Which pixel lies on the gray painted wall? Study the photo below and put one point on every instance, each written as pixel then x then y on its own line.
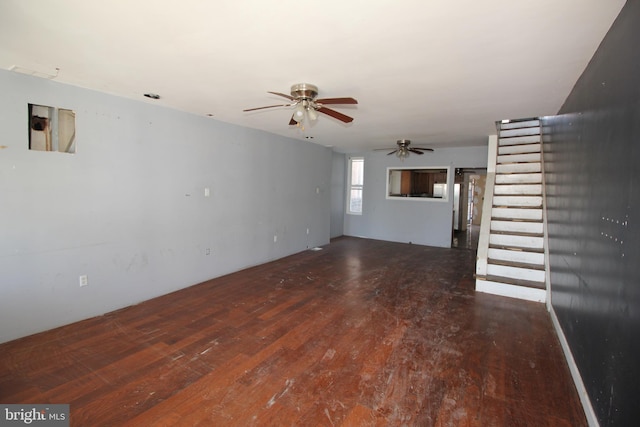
pixel 591 155
pixel 420 221
pixel 128 209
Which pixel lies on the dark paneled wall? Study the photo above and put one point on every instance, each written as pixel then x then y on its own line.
pixel 592 172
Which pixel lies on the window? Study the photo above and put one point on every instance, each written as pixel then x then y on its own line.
pixel 356 181
pixel 421 183
pixel 52 129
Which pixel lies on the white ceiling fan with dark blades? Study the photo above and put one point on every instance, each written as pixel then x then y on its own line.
pixel 404 149
pixel 307 106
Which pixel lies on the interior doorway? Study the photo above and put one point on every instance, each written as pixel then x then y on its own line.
pixel 468 200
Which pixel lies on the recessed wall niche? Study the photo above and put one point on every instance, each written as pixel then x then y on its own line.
pixel 52 129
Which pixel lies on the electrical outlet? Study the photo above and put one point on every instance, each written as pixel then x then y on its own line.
pixel 207 251
pixel 275 238
pixel 207 192
pixel 84 280
pixel 307 231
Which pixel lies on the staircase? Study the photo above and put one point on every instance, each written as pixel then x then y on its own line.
pixel 511 258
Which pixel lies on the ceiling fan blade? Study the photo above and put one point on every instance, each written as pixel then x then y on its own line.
pixel 268 106
pixel 337 101
pixel 289 97
pixel 413 150
pixel 423 149
pixel 384 149
pixel 391 152
pixel 292 122
pixel 335 114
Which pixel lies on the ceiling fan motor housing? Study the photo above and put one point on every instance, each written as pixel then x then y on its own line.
pixel 304 91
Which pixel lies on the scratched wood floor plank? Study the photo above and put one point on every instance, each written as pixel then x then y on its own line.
pixel 362 332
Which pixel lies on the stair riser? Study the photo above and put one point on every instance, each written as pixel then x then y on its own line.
pixel 515 189
pixel 516 273
pixel 529 139
pixel 516 241
pixel 517 125
pixel 519 149
pixel 517 227
pixel 518 168
pixel 519 158
pixel 506 290
pixel 516 256
pixel 529 214
pixel 519 178
pixel 507 133
pixel 516 201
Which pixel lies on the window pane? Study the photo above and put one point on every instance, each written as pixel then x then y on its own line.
pixel 355 200
pixel 357 169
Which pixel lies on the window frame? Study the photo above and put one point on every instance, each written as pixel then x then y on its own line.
pixel 352 186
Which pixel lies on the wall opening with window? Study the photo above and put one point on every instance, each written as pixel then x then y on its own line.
pixel 52 129
pixel 425 183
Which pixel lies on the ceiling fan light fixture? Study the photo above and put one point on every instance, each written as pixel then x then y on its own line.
pixel 312 113
pixel 299 112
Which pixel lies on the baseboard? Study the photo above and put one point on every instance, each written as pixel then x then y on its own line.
pixel 575 373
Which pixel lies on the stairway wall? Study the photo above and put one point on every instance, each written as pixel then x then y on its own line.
pixel 591 157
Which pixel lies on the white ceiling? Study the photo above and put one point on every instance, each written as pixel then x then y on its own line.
pixel 438 72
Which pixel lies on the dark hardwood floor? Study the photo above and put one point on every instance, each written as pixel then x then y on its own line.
pixel 360 333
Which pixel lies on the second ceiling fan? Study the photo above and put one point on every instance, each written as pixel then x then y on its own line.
pixel 404 149
pixel 307 106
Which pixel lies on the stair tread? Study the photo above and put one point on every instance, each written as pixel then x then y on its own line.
pixel 519 172
pixel 522 124
pixel 506 204
pixel 517 233
pixel 504 161
pixel 508 123
pixel 508 137
pixel 516 248
pixel 517 207
pixel 535 208
pixel 507 219
pixel 514 168
pixel 520 196
pixel 518 184
pixel 515 145
pixel 516 264
pixel 516 282
pixel 537 126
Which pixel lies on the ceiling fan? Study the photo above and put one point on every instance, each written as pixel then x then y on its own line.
pixel 404 149
pixel 307 107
